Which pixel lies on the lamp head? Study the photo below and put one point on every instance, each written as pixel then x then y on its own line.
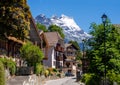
pixel 104 18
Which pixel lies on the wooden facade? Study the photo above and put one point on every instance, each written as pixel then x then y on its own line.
pixel 69 65
pixel 10 46
pixel 59 55
pixel 53 48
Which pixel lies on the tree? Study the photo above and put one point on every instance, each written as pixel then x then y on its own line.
pixel 14 19
pixel 55 28
pixel 9 64
pixel 31 53
pixel 96 50
pixel 41 27
pixel 75 43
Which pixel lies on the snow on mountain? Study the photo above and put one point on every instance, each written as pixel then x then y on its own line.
pixel 71 30
pixel 65 21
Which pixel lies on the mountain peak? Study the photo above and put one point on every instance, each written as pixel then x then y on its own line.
pixel 69 22
pixel 64 16
pixel 71 30
pixel 54 17
pixel 42 15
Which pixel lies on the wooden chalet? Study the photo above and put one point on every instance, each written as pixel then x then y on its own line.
pixel 10 45
pixel 69 62
pixel 53 48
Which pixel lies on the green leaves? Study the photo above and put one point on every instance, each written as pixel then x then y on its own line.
pixel 14 18
pixel 31 53
pixel 55 28
pixel 91 79
pixel 108 54
pixel 2 74
pixel 9 63
pixel 113 77
pixel 41 27
pixel 51 28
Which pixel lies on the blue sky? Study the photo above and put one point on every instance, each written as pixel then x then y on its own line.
pixel 84 12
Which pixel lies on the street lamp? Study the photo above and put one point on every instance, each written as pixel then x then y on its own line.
pixel 104 19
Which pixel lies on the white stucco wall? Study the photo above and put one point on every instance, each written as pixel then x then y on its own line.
pixel 74 67
pixel 51 58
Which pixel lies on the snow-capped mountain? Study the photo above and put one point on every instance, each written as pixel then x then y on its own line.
pixel 71 30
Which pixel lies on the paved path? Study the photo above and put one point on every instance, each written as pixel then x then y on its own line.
pixel 17 80
pixel 63 81
pixel 33 80
pixel 23 80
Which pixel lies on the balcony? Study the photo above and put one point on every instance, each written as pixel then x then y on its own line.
pixel 68 53
pixel 67 66
pixel 58 48
pixel 59 58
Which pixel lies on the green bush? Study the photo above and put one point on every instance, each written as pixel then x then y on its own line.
pixel 12 67
pixel 46 73
pixel 39 69
pixel 113 77
pixel 2 74
pixel 31 53
pixel 9 63
pixel 90 79
pixel 58 74
pixel 2 59
pixel 55 70
pixel 50 71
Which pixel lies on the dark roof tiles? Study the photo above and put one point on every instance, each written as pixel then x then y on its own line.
pixel 52 38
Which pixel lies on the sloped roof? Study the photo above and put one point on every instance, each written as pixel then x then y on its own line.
pixel 70 44
pixel 67 45
pixel 34 34
pixel 117 25
pixel 52 38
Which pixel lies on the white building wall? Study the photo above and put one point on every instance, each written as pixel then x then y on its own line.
pixel 51 58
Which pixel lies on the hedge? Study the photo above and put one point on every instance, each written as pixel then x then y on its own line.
pixel 2 74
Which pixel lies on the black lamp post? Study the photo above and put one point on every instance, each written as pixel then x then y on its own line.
pixel 104 19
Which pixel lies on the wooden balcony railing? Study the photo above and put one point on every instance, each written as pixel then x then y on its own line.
pixel 59 48
pixel 59 58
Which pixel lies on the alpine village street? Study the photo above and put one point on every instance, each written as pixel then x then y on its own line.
pixel 36 49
